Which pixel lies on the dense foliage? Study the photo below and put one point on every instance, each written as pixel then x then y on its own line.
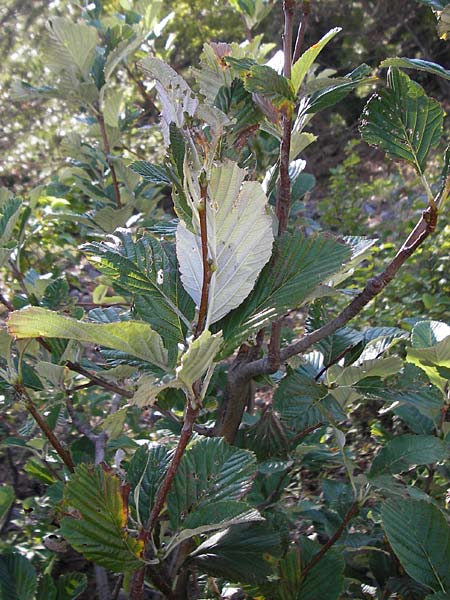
pixel 190 380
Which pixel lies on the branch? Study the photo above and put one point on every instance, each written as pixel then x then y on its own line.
pixel 306 9
pixel 283 202
pixel 53 440
pixel 425 226
pixel 206 264
pixel 191 413
pixel 354 509
pixel 107 150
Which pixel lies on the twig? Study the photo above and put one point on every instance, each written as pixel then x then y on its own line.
pixel 117 588
pixel 62 452
pixel 206 265
pixel 354 509
pixel 107 150
pixel 191 413
pixel 98 380
pixel 283 202
pixel 306 9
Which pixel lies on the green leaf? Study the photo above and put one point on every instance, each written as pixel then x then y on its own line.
pixel 112 107
pixel 243 553
pixel 71 585
pixel 299 401
pixel 17 577
pixel 438 596
pixel 212 75
pixel 263 80
pixel 145 474
pixel 420 537
pixel 403 121
pixel 198 358
pixel 9 216
pixel 6 500
pixel 151 173
pixel 46 589
pixel 298 265
pixel 434 356
pixel 428 333
pixel 133 337
pixel 70 45
pixel 326 579
pixel 418 64
pixel 147 270
pixel 210 471
pixel 98 528
pixel 233 208
pixel 406 451
pixel 301 67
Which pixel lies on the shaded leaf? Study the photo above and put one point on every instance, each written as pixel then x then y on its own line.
pixel 418 64
pixel 210 471
pixel 298 265
pixel 98 528
pixel 406 451
pixel 420 537
pixel 17 577
pixel 403 121
pixel 241 553
pixel 145 474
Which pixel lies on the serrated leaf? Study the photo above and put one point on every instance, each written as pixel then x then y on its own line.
pixel 121 52
pixel 132 337
pixel 420 537
pixel 433 357
pixel 70 46
pixel 209 471
pixel 407 451
pixel 147 270
pixel 99 532
pixel 214 516
pixel 326 579
pixel 145 474
pixel 233 207
pixel 298 401
pixel 151 173
pixel 298 265
pixel 175 95
pixel 263 80
pixel 403 121
pixel 428 333
pixel 9 216
pixel 243 553
pixel 7 496
pixel 71 585
pixel 17 577
pixel 301 67
pixel 418 64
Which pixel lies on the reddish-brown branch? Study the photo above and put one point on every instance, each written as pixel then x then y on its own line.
pixel 206 265
pixel 354 509
pixel 107 150
pixel 283 202
pixel 191 413
pixel 53 440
